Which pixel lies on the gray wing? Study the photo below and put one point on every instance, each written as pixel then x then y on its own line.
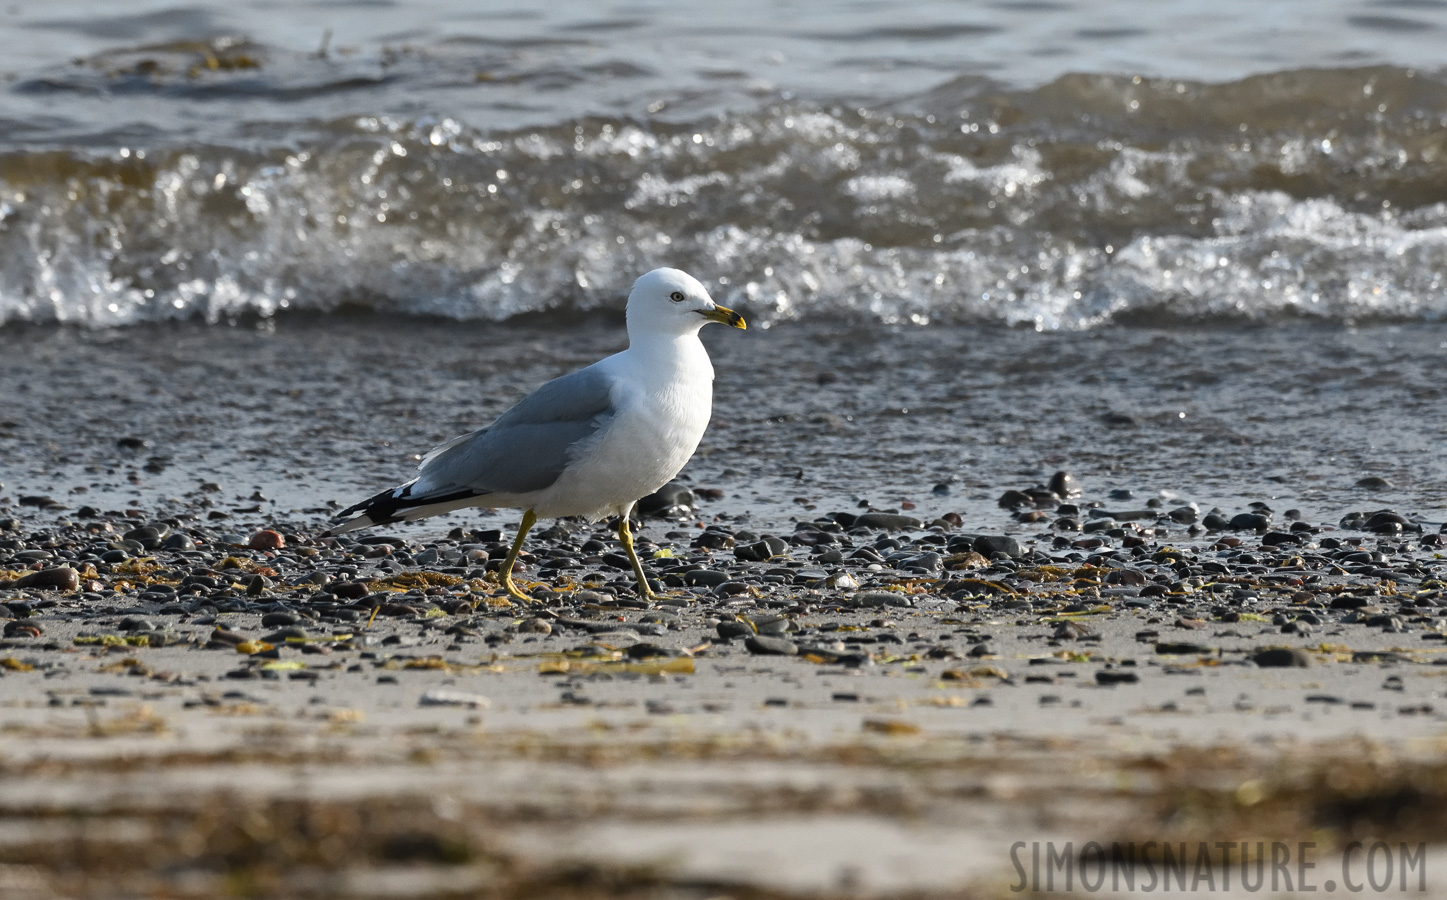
pixel 528 446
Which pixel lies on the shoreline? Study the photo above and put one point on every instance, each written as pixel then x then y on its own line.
pixel 917 686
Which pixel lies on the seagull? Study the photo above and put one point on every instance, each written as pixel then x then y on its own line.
pixel 590 443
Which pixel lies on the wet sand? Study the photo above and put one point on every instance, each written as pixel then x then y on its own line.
pixel 208 718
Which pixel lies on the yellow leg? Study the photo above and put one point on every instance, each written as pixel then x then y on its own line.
pixel 626 536
pixel 505 573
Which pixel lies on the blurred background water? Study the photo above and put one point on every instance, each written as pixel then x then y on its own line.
pixel 1045 163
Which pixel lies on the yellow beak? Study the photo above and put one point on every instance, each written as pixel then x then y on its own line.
pixel 724 315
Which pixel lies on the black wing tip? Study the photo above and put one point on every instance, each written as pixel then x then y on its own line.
pixel 380 509
pixel 388 507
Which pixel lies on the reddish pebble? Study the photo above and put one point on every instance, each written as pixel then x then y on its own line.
pixel 61 578
pixel 266 540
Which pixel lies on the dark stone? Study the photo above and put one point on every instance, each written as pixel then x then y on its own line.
pixel 1386 522
pixel 1281 658
pixel 1275 538
pixel 21 629
pixel 761 550
pixel 887 522
pixel 178 541
pixel 282 635
pixel 1063 486
pixel 730 630
pixel 348 590
pixel 670 501
pixel 705 578
pixel 988 545
pixel 1249 522
pixel 1181 648
pixel 1348 601
pixel 650 651
pixel 928 564
pixel 1013 499
pixel 1114 676
pixel 714 540
pixel 613 560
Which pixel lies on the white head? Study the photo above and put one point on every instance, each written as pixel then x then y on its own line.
pixel 671 302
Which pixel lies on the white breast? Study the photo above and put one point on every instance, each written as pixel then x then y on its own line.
pixel 663 403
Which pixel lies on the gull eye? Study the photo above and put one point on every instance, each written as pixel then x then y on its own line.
pixel 676 296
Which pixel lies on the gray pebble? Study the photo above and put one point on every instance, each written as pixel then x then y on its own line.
pixel 450 697
pixel 987 545
pixel 705 578
pixel 764 645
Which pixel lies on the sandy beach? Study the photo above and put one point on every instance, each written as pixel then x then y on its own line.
pixel 1070 520
pixel 888 652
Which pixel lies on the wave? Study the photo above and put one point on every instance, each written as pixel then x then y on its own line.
pixel 1091 200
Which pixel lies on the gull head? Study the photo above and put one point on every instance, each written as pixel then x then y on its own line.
pixel 670 302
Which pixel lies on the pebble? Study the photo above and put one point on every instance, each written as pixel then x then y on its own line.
pixel 1185 515
pixel 644 650
pixel 705 578
pixel 178 541
pixel 819 591
pixel 671 501
pixel 1182 648
pixel 451 697
pixel 616 636
pixel 1281 658
pixel 887 521
pixel 1386 522
pixel 282 635
pixel 765 645
pixel 988 545
pixel 1069 631
pixel 60 578
pixel 1249 522
pixel 1064 486
pixel 877 599
pixel 761 550
pixel 773 624
pixel 730 630
pixel 1115 676
pixel 1214 521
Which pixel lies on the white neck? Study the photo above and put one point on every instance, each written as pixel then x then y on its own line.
pixel 671 352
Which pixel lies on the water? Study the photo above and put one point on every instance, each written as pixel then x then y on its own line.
pixel 1042 164
pixel 273 423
